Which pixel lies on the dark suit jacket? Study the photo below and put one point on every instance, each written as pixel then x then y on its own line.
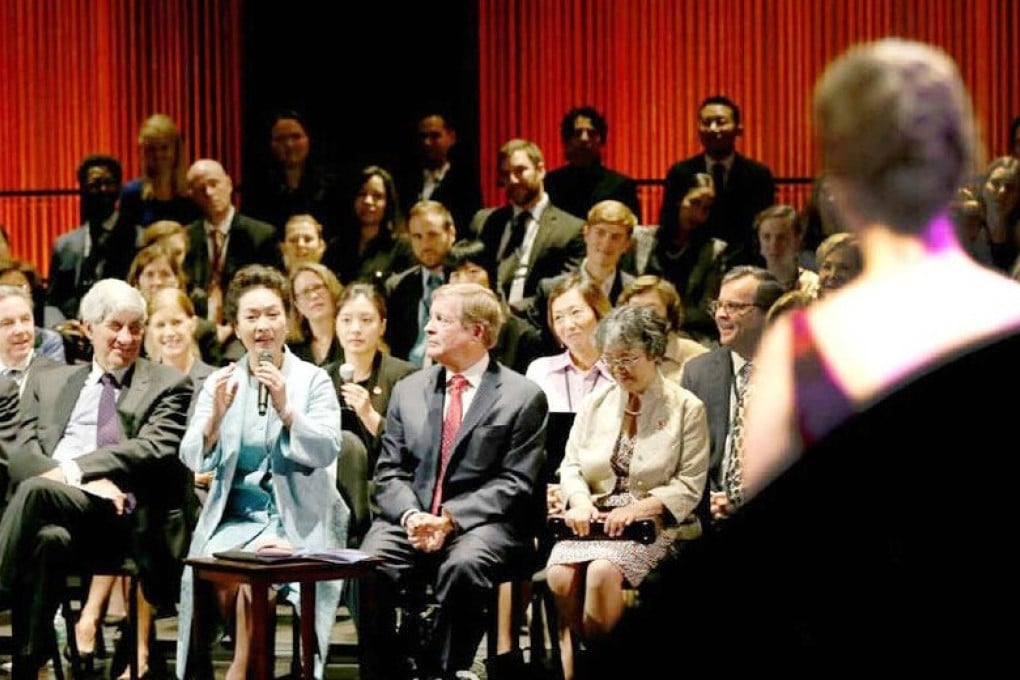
pixel 460 191
pixel 251 242
pixel 68 283
pixel 576 190
pixel 710 377
pixel 153 407
pixel 386 371
pixel 497 454
pixel 403 293
pixel 749 189
pixel 558 246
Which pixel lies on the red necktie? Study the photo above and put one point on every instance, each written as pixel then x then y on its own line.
pixel 451 423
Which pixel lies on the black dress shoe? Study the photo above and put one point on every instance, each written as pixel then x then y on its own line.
pixel 82 663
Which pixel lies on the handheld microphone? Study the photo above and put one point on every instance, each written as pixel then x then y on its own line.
pixel 264 356
pixel 346 376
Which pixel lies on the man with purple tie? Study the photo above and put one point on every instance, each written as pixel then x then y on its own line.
pixel 92 443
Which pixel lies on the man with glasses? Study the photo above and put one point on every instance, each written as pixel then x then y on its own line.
pixel 719 377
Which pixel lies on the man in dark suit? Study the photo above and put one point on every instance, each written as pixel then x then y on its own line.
pixel 409 293
pixel 455 484
pixel 744 298
pixel 220 244
pixel 100 247
pixel 440 175
pixel 607 237
pixel 530 238
pixel 224 240
pixel 18 356
pixel 743 187
pixel 92 452
pixel 584 181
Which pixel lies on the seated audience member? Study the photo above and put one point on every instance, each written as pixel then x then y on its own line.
pixel 82 466
pixel 369 244
pixel 529 238
pixel 607 237
pixel 221 242
pixel 172 326
pixel 275 478
pixel 439 175
pixel 691 259
pixel 661 297
pixel 821 219
pixel 968 214
pixel 101 247
pixel 780 234
pixel 576 305
pixel 455 486
pixel 48 343
pixel 315 292
pixel 584 181
pixel 161 193
pixel 638 450
pixel 18 356
pixel 364 398
pixel 839 261
pixel 1000 198
pixel 519 343
pixel 155 268
pixel 720 377
pixel 787 302
pixel 169 234
pixel 302 241
pixel 432 233
pixel 743 187
pixel 292 181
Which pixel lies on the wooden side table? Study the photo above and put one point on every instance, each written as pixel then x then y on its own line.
pixel 260 576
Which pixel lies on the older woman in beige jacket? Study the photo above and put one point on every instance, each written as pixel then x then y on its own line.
pixel 638 450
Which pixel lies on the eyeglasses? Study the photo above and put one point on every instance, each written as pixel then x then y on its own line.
pixel 729 307
pixel 311 291
pixel 620 362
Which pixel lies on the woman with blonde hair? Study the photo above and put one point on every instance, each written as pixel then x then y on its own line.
pixel 160 193
pixel 315 291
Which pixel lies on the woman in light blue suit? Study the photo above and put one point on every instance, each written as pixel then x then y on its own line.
pixel 274 461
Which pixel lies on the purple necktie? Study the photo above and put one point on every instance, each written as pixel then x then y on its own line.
pixel 107 425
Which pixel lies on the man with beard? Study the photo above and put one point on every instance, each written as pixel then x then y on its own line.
pixel 584 181
pixel 432 232
pixel 530 238
pixel 99 248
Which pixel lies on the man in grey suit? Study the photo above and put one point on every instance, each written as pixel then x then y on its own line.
pixel 455 484
pixel 530 238
pixel 92 443
pixel 744 298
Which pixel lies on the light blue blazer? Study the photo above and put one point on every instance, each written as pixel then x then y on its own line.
pixel 304 460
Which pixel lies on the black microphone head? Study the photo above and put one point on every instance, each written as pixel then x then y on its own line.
pixel 266 355
pixel 346 372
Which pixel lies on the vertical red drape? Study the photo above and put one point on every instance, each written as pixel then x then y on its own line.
pixel 79 76
pixel 647 63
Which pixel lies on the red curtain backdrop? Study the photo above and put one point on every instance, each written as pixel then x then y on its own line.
pixel 647 63
pixel 79 77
